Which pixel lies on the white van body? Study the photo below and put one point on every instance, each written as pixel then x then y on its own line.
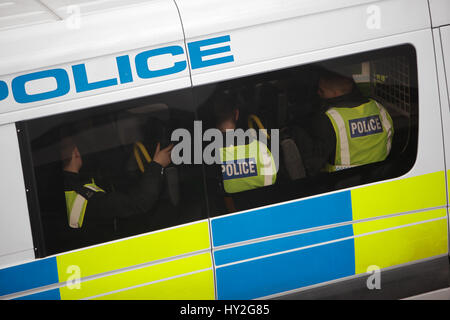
pixel 265 35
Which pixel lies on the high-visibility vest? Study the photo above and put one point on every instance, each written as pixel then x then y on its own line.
pixel 363 135
pixel 76 205
pixel 246 167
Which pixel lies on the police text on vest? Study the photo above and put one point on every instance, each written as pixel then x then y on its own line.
pixel 365 126
pixel 241 168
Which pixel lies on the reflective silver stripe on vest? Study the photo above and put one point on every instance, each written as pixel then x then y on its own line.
pixel 345 151
pixel 96 189
pixel 386 125
pixel 337 168
pixel 266 168
pixel 76 211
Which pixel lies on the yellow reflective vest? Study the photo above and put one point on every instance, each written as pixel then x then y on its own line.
pixel 76 205
pixel 363 135
pixel 246 167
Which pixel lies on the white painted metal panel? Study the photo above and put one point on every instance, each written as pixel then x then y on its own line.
pixel 97 69
pixel 442 48
pixel 430 153
pixel 265 30
pixel 15 232
pixel 19 13
pixel 65 8
pixel 96 41
pixel 149 24
pixel 440 12
pixel 212 16
pixel 445 38
pixel 16 258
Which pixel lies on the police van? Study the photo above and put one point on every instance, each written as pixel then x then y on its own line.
pixel 119 77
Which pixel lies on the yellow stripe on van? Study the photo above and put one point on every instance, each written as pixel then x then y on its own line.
pixel 448 184
pixel 421 192
pixel 197 286
pixel 133 251
pixel 386 223
pixel 151 273
pixel 402 245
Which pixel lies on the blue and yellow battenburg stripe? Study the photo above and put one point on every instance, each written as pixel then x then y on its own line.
pixel 257 253
pixel 29 276
pixel 280 248
pixel 172 264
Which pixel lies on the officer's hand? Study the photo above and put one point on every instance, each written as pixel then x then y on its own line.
pixel 163 156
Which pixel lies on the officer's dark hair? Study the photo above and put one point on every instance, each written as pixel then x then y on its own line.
pixel 336 81
pixel 224 106
pixel 67 145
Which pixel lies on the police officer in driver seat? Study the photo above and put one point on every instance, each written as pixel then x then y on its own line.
pixel 349 130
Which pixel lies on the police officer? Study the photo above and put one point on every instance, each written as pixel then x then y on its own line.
pixel 88 203
pixel 245 165
pixel 348 131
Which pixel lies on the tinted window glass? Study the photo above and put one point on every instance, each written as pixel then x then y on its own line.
pixel 105 173
pixel 341 123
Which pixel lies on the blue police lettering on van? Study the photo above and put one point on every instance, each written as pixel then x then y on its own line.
pixel 241 168
pixel 142 63
pixel 3 90
pixel 196 54
pixel 124 68
pixel 365 126
pixel 62 85
pixel 82 83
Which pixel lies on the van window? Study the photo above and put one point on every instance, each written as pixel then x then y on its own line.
pixel 336 123
pixel 103 173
